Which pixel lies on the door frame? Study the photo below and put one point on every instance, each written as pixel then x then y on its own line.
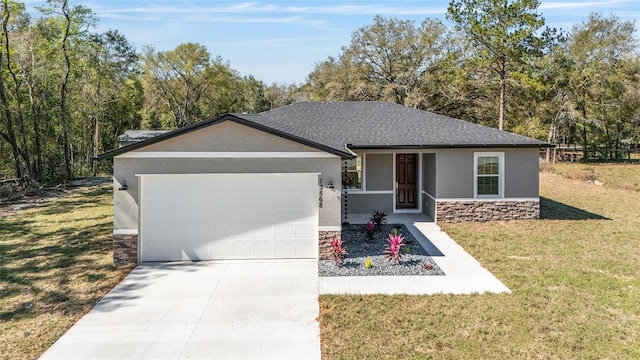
pixel 418 208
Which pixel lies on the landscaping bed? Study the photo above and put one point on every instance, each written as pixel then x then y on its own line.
pixel 359 248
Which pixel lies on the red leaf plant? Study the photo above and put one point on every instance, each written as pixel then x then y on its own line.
pixel 393 251
pixel 369 230
pixel 339 251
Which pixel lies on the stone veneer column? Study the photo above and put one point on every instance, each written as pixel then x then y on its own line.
pixel 324 243
pixel 125 249
pixel 487 210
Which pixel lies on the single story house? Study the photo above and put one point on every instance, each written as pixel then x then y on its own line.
pixel 279 183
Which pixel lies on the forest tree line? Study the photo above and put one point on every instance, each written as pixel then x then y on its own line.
pixel 68 91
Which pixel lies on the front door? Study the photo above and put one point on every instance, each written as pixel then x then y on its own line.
pixel 406 181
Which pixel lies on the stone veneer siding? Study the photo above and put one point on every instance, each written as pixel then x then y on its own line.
pixel 125 249
pixel 459 211
pixel 325 251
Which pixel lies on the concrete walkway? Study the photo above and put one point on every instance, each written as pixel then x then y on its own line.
pixel 205 310
pixel 464 274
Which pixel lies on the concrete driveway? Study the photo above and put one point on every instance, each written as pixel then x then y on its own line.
pixel 204 310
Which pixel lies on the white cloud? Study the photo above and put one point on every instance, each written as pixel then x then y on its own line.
pixel 589 5
pixel 255 7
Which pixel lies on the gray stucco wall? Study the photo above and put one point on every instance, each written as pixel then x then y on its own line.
pixel 522 178
pixel 429 184
pixel 454 171
pixel 429 173
pixel 366 203
pixel 379 172
pixel 227 136
pixel 231 138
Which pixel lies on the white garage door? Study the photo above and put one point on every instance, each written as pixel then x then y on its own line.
pixel 228 216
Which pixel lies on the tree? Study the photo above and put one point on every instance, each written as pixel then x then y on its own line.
pixel 64 93
pixel 8 12
pixel 177 79
pixel 385 61
pixel 341 79
pixel 397 55
pixel 602 75
pixel 110 62
pixel 503 35
pixel 75 20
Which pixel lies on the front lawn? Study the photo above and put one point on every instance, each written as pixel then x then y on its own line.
pixel 575 278
pixel 55 264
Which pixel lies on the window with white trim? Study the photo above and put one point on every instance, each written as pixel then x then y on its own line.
pixel 488 175
pixel 352 173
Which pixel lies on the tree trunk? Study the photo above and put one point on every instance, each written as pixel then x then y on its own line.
pixel 10 135
pixel 16 91
pixel 96 144
pixel 35 120
pixel 63 94
pixel 585 153
pixel 503 90
pixel 552 132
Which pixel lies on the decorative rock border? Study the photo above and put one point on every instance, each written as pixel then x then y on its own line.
pixel 360 248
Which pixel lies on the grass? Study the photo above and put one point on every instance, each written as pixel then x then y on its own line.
pixel 575 278
pixel 55 264
pixel 621 176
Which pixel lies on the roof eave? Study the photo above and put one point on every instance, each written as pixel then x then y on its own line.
pixel 449 146
pixel 183 130
pixel 231 117
pixel 343 154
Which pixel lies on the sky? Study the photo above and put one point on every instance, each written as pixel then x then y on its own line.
pixel 279 41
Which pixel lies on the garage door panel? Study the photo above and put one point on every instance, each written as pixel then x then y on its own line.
pixel 197 217
pixel 157 233
pixel 220 248
pixel 156 185
pixel 262 249
pixel 177 233
pixel 265 232
pixel 285 248
pixel 198 185
pixel 221 232
pixel 241 249
pixel 175 252
pixel 237 216
pixel 156 202
pixel 303 231
pixel 199 201
pixel 285 231
pixel 198 233
pixel 153 217
pixel 157 252
pixel 196 250
pixel 176 201
pixel 220 217
pixel 177 217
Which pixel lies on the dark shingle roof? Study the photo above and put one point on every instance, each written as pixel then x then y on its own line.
pixel 133 136
pixel 334 126
pixel 377 124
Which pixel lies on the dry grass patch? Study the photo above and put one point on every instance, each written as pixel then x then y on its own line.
pixel 620 176
pixel 55 264
pixel 575 277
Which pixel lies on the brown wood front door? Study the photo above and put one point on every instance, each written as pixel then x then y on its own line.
pixel 406 181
